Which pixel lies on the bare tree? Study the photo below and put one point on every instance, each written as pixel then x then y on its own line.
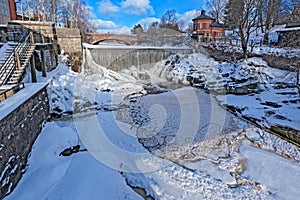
pixel 241 16
pixel 272 13
pixel 288 6
pixel 137 29
pixel 217 8
pixel 261 7
pixel 169 20
pixel 71 13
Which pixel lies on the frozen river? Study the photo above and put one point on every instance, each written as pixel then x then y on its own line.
pixel 172 143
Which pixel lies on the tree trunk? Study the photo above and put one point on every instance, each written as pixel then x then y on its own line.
pixel 244 47
pixel 266 38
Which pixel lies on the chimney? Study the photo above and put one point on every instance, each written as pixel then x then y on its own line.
pixel 12 9
pixel 202 12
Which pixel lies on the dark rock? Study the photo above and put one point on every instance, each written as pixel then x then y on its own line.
pixel 271 104
pixel 70 151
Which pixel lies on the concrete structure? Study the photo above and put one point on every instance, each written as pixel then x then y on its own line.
pixel 118 58
pixel 44 32
pixel 21 119
pixel 289 36
pixel 95 38
pixel 206 28
pixel 44 38
pixel 49 38
pixel 69 40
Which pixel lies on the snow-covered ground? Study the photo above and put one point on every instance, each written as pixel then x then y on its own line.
pixel 175 144
pixel 255 44
pixel 253 89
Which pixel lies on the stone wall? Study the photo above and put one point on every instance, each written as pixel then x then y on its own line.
pixel 70 41
pixel 19 127
pixel 43 32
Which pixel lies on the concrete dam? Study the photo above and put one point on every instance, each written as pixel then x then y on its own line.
pixel 117 58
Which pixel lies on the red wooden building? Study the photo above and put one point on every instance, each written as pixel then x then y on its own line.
pixel 206 28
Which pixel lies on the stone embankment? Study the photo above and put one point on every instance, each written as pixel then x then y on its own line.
pixel 69 40
pixel 21 119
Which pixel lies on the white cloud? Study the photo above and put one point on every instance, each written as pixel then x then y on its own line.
pixel 148 21
pixel 103 26
pixel 137 7
pixel 89 12
pixel 106 7
pixel 119 30
pixel 186 18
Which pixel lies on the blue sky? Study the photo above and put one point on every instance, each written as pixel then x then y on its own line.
pixel 119 16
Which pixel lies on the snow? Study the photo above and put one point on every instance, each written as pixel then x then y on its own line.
pixel 13 102
pixel 3 49
pixel 289 29
pixel 286 176
pixel 259 49
pixel 30 22
pixel 80 176
pixel 175 144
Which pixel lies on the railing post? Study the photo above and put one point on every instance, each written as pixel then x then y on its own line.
pixel 297 79
pixel 44 73
pixel 32 69
pixel 31 37
pixel 17 60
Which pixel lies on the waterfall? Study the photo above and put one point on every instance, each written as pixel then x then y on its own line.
pixel 90 67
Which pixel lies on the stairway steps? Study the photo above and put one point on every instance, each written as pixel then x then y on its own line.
pixel 8 66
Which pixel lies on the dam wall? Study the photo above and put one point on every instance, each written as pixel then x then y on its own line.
pixel 117 58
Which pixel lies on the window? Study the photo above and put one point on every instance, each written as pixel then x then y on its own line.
pixel 201 26
pixel 220 34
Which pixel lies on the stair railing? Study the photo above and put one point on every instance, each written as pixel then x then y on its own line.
pixel 6 72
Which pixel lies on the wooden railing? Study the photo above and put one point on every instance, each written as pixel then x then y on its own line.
pixel 4 95
pixel 13 60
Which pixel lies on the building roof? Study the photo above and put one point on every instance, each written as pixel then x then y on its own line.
pixel 289 29
pixel 217 24
pixel 203 16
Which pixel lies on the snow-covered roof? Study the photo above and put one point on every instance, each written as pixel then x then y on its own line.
pixel 217 24
pixel 29 22
pixel 289 29
pixel 203 16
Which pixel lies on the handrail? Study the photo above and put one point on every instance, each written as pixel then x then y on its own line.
pixel 14 89
pixel 20 41
pixel 8 71
pixel 25 35
pixel 3 71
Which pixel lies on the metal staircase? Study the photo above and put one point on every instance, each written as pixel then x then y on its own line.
pixel 14 61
